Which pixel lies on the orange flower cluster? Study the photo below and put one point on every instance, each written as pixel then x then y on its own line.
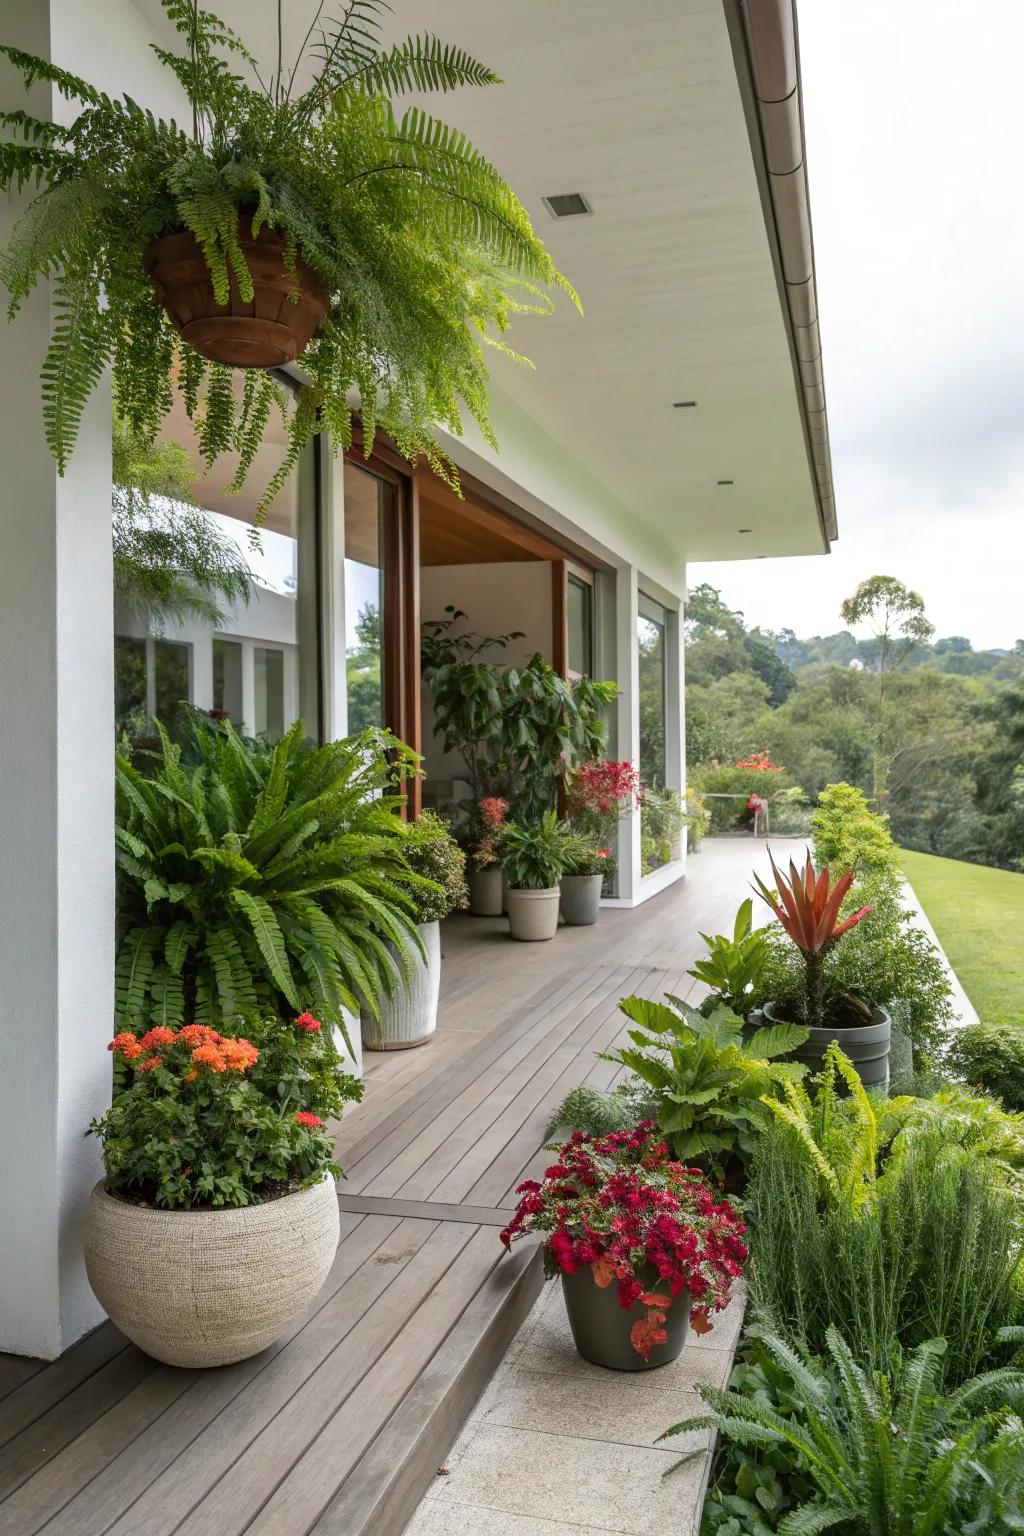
pixel 218 1053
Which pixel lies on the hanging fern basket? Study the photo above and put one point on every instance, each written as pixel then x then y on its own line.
pixel 273 327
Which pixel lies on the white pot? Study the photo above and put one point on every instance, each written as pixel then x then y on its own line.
pixel 533 915
pixel 202 1288
pixel 409 1016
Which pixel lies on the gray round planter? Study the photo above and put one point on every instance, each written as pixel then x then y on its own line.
pixel 600 1327
pixel 485 891
pixel 533 915
pixel 581 899
pixel 409 1016
pixel 867 1045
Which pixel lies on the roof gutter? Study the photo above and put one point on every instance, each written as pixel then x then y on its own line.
pixel 767 55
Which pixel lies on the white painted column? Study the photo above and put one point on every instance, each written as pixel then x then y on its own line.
pixel 675 728
pixel 628 674
pixel 56 815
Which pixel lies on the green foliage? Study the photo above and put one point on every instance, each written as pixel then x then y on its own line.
pixel 849 835
pixel 424 250
pixel 194 1125
pixel 733 965
pixel 170 559
pixel 990 1056
pixel 261 880
pixel 519 730
pixel 739 783
pixel 875 1453
pixel 598 1114
pixel 662 819
pixel 536 856
pixel 893 1222
pixel 709 1087
pixel 433 853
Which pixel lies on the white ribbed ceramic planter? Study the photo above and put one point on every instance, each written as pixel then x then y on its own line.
pixel 202 1288
pixel 409 1016
pixel 485 891
pixel 533 915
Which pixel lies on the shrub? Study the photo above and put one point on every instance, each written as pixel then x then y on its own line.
pixel 204 1119
pixel 871 1453
pixel 433 853
pixel 618 1203
pixel 990 1056
pixel 756 775
pixel 597 1113
pixel 261 880
pixel 662 818
pixel 849 835
pixel 709 1088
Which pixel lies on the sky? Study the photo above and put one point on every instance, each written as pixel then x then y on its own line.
pixel 914 119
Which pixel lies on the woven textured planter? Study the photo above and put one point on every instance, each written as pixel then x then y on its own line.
pixel 600 1327
pixel 533 915
pixel 268 331
pixel 867 1045
pixel 485 891
pixel 202 1288
pixel 581 899
pixel 409 1017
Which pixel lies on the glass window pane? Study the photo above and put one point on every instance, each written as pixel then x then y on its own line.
pixel 266 601
pixel 369 504
pixel 170 679
pixel 651 642
pixel 268 668
pixel 129 685
pixel 580 623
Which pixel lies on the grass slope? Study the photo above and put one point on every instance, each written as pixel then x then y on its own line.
pixel 978 914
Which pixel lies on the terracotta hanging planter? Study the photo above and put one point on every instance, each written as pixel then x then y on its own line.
pixel 267 331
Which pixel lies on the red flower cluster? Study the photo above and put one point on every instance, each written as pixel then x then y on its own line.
pixel 204 1046
pixel 307 1121
pixel 756 803
pixel 493 810
pixel 760 762
pixel 307 1023
pixel 604 787
pixel 620 1203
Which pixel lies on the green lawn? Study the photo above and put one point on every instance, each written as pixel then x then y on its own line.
pixel 978 914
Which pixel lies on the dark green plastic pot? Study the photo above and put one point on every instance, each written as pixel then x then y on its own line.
pixel 867 1045
pixel 600 1327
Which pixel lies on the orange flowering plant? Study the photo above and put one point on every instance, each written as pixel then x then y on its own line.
pixel 201 1118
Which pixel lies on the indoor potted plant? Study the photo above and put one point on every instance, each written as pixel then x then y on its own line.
pixel 534 858
pixel 483 866
pixel 641 1243
pixel 290 215
pixel 218 1218
pixel 586 871
pixel 808 907
pixel 409 1015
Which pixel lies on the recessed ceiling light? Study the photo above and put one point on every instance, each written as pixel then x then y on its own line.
pixel 726 482
pixel 566 205
pixel 681 405
pixel 745 530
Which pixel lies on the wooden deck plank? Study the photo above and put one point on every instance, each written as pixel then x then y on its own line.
pixel 265 1458
pixel 44 1388
pixel 15 1370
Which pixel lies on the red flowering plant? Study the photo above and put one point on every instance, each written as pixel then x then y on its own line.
pixel 204 1119
pixel 483 835
pixel 623 1206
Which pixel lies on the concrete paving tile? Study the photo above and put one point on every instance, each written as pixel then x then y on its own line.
pixel 620 1488
pixel 470 1520
pixel 615 1408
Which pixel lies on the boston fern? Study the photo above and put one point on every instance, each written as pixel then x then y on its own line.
pixel 260 881
pixel 424 251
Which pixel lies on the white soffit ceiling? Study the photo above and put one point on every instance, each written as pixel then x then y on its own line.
pixel 636 105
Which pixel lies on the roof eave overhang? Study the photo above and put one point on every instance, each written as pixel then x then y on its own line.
pixel 766 49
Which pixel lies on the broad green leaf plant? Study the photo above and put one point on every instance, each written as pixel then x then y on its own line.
pixel 425 252
pixel 733 965
pixel 261 881
pixel 709 1086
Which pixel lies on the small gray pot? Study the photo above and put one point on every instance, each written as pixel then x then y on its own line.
pixel 867 1045
pixel 409 1016
pixel 581 899
pixel 600 1327
pixel 485 891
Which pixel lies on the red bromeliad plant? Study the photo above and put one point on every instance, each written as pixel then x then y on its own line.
pixel 619 1203
pixel 807 908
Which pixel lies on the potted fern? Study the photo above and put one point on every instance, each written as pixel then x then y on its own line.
pixel 281 221
pixel 409 1015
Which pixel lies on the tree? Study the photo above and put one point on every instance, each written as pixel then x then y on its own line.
pixel 171 562
pixel 898 622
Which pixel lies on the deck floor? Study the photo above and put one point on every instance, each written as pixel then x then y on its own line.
pixel 335 1429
